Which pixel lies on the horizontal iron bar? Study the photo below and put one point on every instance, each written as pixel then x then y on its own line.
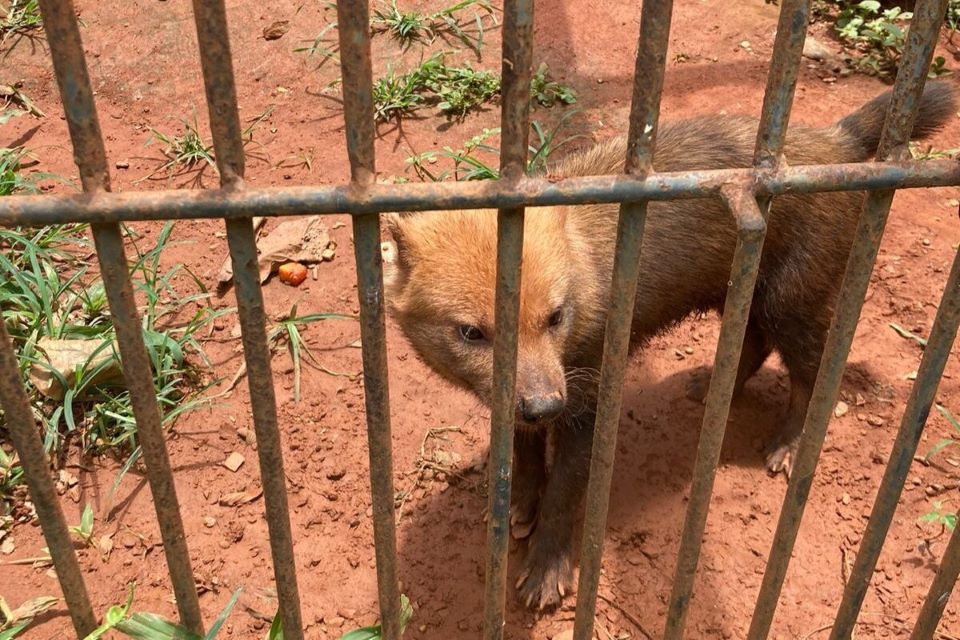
pixel 181 204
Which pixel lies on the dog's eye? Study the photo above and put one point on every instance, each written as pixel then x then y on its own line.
pixel 556 318
pixel 470 333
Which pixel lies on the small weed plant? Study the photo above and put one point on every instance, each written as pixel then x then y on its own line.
pixel 48 296
pixel 408 27
pixel 947 519
pixel 877 35
pixel 21 17
pixel 477 158
pixel 455 91
pixel 13 179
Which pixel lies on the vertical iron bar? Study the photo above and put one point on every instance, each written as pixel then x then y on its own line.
pixel 36 471
pixel 66 49
pixel 517 68
pixel 940 590
pixel 924 390
pixel 736 312
pixel 777 103
pixel 908 89
pixel 644 117
pixel 213 38
pixel 354 30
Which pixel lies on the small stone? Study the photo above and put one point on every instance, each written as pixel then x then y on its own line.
pixel 336 622
pixel 688 351
pixel 7 546
pixel 845 499
pixel 875 421
pixel 123 164
pixel 926 242
pixel 209 522
pixel 234 461
pixel 841 409
pixel 336 474
pixel 931 491
pixel 347 614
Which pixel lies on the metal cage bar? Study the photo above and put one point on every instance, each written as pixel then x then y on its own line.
pixel 751 231
pixel 36 469
pixel 517 68
pixel 750 215
pixel 641 143
pixel 354 27
pixel 527 192
pixel 746 192
pixel 66 49
pixel 940 590
pixel 918 407
pixel 908 88
pixel 213 38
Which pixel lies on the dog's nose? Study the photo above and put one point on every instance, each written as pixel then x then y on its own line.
pixel 537 408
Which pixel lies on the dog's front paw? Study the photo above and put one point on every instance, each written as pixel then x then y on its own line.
pixel 546 578
pixel 782 455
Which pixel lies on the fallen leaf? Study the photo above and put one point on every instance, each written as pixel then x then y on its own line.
pixel 65 360
pixel 276 30
pixel 32 608
pixel 105 544
pixel 234 461
pixel 238 498
pixel 303 241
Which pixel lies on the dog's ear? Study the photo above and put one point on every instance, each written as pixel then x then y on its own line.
pixel 397 250
pixel 396 253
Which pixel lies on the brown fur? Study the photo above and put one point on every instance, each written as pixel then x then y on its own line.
pixel 444 278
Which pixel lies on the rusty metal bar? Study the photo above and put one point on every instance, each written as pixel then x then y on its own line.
pixel 777 103
pixel 517 68
pixel 751 228
pixel 354 30
pixel 66 49
pixel 934 360
pixel 781 83
pixel 528 192
pixel 36 471
pixel 940 590
pixel 213 37
pixel 644 117
pixel 908 88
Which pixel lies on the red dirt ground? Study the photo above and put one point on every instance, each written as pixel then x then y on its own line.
pixel 142 57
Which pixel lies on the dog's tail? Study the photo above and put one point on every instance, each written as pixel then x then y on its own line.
pixel 937 104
